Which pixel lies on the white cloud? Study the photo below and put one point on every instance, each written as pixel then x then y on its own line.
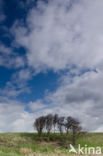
pixel 83 99
pixel 60 34
pixel 9 59
pixel 13 117
pixel 37 105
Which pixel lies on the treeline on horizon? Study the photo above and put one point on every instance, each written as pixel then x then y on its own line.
pixel 54 123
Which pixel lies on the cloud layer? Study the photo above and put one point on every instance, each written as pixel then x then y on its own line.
pixel 61 35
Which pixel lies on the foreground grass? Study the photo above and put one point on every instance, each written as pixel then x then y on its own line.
pixel 28 144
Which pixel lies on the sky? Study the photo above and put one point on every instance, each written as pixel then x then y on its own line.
pixel 51 61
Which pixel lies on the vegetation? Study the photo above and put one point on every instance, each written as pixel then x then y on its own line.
pixel 55 134
pixel 60 124
pixel 28 144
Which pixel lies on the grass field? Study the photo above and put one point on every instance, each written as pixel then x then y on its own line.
pixel 28 144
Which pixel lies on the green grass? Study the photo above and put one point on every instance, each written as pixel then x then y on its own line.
pixel 28 144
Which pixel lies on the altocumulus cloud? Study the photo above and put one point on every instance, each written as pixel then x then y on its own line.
pixel 58 35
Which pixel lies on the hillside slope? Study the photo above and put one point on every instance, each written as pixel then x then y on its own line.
pixel 28 144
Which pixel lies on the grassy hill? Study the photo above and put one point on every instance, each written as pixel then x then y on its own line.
pixel 28 144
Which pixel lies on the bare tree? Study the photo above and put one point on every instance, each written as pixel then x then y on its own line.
pixel 76 129
pixel 39 124
pixel 55 121
pixel 49 123
pixel 68 124
pixel 46 122
pixel 61 124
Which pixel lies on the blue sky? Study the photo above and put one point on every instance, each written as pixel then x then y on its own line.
pixel 40 82
pixel 51 61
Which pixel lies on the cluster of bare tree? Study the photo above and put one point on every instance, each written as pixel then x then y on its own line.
pixel 61 124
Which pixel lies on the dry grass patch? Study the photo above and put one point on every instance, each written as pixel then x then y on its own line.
pixel 26 151
pixel 19 139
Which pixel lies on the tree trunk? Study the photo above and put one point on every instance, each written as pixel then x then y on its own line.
pixel 73 137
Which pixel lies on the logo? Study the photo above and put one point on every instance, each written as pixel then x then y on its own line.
pixel 85 150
